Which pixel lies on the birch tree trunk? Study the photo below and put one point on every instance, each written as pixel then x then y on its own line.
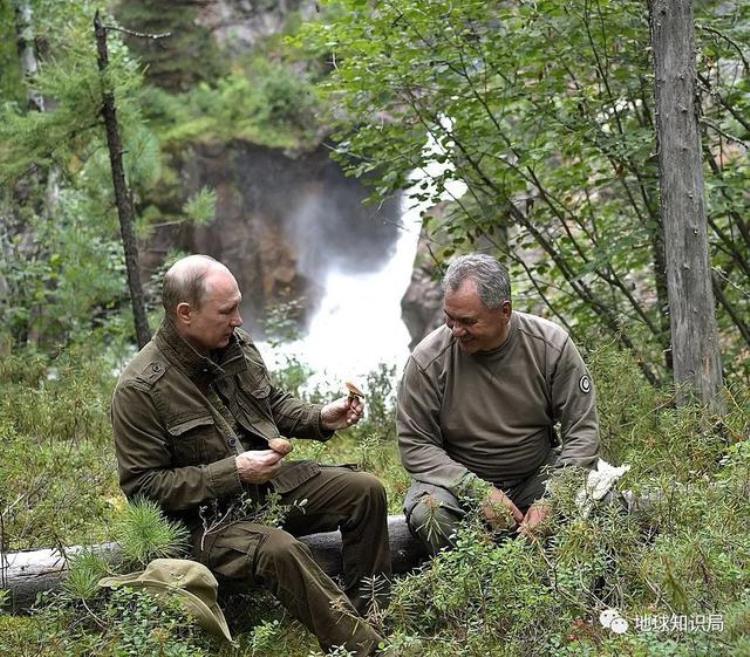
pixel 27 53
pixel 35 100
pixel 695 349
pixel 122 197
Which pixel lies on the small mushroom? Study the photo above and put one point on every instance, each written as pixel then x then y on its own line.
pixel 280 445
pixel 354 391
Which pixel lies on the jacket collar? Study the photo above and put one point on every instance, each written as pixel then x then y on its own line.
pixel 222 362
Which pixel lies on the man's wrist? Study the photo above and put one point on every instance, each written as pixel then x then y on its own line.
pixel 324 432
pixel 472 488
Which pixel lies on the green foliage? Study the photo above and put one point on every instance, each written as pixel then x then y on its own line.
pixel 201 207
pixel 71 131
pixel 545 112
pixel 381 401
pixel 186 57
pixel 291 376
pixel 58 482
pixel 686 552
pixel 264 636
pixel 123 622
pixel 63 289
pixel 265 103
pixel 146 625
pixel 11 83
pixel 85 570
pixel 145 534
pixel 63 268
pixel 282 322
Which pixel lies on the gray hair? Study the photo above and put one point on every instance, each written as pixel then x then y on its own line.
pixel 185 282
pixel 490 277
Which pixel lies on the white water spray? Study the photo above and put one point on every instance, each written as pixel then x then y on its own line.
pixel 358 325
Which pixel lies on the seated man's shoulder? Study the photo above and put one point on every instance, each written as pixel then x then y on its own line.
pixel 146 368
pixel 433 347
pixel 542 330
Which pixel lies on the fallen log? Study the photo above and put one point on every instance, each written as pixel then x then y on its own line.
pixel 27 573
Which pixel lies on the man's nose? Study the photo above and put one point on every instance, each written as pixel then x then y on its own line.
pixel 237 319
pixel 457 331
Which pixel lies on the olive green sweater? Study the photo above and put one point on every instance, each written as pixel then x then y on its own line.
pixel 492 414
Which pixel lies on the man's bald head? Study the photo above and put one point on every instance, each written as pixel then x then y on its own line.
pixel 185 282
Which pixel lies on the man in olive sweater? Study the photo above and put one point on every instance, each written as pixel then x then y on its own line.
pixel 478 404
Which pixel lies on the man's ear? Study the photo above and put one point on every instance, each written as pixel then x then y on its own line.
pixel 183 313
pixel 507 308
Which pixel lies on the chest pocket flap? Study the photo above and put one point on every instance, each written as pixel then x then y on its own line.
pixel 179 428
pixel 189 440
pixel 256 384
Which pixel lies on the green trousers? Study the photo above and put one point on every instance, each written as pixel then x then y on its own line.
pixel 433 513
pixel 337 498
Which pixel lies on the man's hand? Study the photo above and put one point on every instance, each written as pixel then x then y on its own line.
pixel 341 413
pixel 499 511
pixel 532 525
pixel 258 466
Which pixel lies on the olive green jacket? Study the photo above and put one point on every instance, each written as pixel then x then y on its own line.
pixel 176 442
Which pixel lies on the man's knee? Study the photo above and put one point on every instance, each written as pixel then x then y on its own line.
pixel 433 522
pixel 279 552
pixel 367 486
pixel 362 495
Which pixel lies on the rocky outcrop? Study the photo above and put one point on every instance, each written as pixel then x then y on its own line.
pixel 281 222
pixel 422 303
pixel 238 26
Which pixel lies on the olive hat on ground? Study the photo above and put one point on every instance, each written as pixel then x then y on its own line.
pixel 193 584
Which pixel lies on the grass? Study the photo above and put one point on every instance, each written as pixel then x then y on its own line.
pixel 58 482
pixel 685 557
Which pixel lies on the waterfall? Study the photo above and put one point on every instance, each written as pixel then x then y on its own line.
pixel 358 325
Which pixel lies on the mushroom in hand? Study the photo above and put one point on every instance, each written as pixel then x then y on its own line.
pixel 354 391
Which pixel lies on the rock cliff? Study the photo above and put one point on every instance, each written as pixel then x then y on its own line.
pixel 281 222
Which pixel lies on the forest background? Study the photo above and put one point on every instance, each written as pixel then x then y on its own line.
pixel 545 111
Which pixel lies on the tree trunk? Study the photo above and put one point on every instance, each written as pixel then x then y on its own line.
pixel 27 573
pixel 695 349
pixel 122 196
pixel 28 56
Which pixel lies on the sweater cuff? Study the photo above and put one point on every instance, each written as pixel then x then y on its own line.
pixel 472 488
pixel 224 477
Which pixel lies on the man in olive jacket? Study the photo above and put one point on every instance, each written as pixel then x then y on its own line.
pixel 478 404
pixel 193 414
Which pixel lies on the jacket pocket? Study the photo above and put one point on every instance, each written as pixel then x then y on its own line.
pixel 188 439
pixel 294 474
pixel 253 398
pixel 256 384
